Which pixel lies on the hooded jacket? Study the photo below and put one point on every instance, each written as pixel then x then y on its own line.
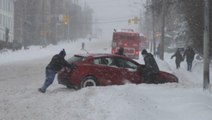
pixel 58 62
pixel 150 63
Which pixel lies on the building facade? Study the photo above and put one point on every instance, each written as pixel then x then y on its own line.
pixel 6 19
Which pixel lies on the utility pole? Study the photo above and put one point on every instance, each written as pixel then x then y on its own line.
pixel 44 32
pixel 24 27
pixel 162 30
pixel 68 14
pixel 206 45
pixel 153 30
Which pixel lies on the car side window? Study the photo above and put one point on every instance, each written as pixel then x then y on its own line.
pixel 117 62
pixel 96 61
pixel 122 63
pixel 130 65
pixel 101 61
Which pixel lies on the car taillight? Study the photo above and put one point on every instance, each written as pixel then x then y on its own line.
pixel 113 51
pixel 125 44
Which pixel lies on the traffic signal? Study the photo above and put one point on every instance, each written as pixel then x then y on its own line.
pixel 65 19
pixel 129 21
pixel 135 20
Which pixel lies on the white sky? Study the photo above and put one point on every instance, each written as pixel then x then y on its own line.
pixel 113 14
pixel 23 72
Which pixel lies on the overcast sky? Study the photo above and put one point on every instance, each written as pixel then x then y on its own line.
pixel 113 14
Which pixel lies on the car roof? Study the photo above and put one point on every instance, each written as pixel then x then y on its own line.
pixel 96 55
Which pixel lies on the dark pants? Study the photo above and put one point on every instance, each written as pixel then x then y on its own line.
pixel 177 64
pixel 189 65
pixel 50 75
pixel 149 77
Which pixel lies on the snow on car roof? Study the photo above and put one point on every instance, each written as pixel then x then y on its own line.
pixel 100 55
pixel 95 54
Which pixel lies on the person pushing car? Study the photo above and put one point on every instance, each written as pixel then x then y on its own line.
pixel 151 68
pixel 56 64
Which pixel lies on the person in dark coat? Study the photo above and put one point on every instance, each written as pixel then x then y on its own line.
pixel 151 68
pixel 178 58
pixel 56 64
pixel 120 51
pixel 189 54
pixel 83 46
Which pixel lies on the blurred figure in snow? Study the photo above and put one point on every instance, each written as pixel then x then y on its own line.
pixel 120 51
pixel 83 46
pixel 178 58
pixel 189 54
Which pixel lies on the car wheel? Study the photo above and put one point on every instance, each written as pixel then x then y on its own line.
pixel 88 81
pixel 69 87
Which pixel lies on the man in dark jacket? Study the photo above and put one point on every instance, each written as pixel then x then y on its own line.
pixel 56 64
pixel 178 58
pixel 120 51
pixel 189 54
pixel 151 68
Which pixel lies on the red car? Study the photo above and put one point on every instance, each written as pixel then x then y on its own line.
pixel 105 69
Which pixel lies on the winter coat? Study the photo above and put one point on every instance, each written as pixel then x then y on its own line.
pixel 58 62
pixel 120 51
pixel 179 57
pixel 189 54
pixel 150 64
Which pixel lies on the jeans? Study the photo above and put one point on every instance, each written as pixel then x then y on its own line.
pixel 189 65
pixel 177 65
pixel 50 75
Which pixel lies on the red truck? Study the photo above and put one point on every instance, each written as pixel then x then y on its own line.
pixel 128 39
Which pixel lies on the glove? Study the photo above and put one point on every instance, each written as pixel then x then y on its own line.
pixel 68 69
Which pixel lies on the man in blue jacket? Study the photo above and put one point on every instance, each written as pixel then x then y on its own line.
pixel 56 64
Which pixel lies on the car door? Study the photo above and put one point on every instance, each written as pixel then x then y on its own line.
pixel 105 73
pixel 115 71
pixel 129 70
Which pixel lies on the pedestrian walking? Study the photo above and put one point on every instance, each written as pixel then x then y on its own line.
pixel 83 46
pixel 178 58
pixel 189 54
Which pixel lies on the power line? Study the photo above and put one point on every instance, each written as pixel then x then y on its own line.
pixel 113 21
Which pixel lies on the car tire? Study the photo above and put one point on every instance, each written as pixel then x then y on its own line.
pixel 88 82
pixel 69 87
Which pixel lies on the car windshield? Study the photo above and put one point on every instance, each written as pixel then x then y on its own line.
pixel 75 59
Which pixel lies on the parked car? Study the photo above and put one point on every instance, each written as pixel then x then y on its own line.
pixel 104 70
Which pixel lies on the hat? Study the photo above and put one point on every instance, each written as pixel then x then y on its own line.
pixel 62 52
pixel 144 52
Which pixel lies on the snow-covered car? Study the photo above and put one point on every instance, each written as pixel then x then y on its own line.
pixel 106 69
